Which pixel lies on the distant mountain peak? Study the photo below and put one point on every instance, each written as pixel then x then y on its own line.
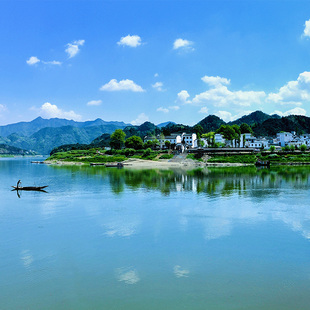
pixel 211 123
pixel 255 117
pixel 165 124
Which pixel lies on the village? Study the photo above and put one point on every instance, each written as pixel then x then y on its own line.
pixel 189 141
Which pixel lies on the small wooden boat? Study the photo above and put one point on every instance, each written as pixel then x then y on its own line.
pixel 29 188
pixel 117 165
pixel 262 163
pixel 108 165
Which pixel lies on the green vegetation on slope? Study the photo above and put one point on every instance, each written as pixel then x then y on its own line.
pixel 100 156
pixel 6 150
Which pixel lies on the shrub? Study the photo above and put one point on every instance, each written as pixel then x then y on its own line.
pixel 249 159
pixel 272 148
pixel 273 156
pixel 195 156
pixel 147 152
pixel 303 147
pixel 166 156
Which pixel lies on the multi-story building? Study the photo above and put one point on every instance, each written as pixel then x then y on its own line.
pixel 181 141
pixel 284 138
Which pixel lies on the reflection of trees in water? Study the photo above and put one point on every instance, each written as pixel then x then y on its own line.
pixel 223 182
pixel 117 184
pixel 211 181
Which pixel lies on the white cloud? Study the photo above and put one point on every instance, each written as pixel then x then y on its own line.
pixel 127 275
pixel 183 95
pixel 307 28
pixel 215 80
pixel 167 110
pixel 2 108
pixel 225 115
pixel 295 111
pixel 158 86
pixel 294 92
pixel 204 110
pixel 156 75
pixel 94 102
pixel 219 95
pixel 164 110
pixel 73 48
pixel 32 60
pixel 53 62
pixel 140 119
pixel 114 85
pixel 132 41
pixel 49 110
pixel 183 44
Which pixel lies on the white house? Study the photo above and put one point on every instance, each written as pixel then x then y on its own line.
pixel 246 139
pixel 218 138
pixel 173 139
pixel 284 138
pixel 180 140
pixel 259 143
pixel 305 138
pixel 189 139
pixel 297 142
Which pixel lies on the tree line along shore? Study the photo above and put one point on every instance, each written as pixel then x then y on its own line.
pixel 122 150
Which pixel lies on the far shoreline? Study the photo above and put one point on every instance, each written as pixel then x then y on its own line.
pixel 163 164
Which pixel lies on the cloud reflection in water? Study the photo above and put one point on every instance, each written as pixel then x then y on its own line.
pixel 127 275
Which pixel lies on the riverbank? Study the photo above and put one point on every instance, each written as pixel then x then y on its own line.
pixel 134 163
pixel 157 160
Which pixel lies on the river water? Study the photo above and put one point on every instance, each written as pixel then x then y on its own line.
pixel 125 239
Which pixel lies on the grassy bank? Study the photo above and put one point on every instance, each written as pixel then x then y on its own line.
pixel 274 158
pixel 102 156
pixel 242 159
pixel 287 158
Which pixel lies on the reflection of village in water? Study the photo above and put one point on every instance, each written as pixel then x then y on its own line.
pixel 211 181
pixel 156 232
pixel 232 196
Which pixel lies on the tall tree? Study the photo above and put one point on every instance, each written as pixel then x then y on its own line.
pixel 134 142
pixel 117 139
pixel 198 130
pixel 228 132
pixel 245 128
pixel 210 137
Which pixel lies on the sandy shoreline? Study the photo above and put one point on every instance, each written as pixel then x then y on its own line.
pixel 135 163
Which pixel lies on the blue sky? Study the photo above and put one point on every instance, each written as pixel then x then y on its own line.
pixel 152 60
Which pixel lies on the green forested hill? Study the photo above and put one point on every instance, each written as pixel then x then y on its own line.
pixel 11 150
pixel 270 127
pixel 211 123
pixel 142 130
pixel 256 117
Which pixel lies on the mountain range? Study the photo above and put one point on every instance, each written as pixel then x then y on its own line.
pixel 29 128
pixel 43 135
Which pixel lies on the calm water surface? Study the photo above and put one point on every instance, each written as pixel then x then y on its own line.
pixel 124 239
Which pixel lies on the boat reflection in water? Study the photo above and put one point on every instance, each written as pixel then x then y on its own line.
pixel 28 188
